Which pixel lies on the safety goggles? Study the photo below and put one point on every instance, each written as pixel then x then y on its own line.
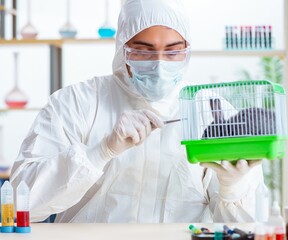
pixel 132 54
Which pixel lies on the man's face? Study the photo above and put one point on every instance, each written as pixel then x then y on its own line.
pixel 157 38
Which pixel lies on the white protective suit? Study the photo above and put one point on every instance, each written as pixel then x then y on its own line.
pixel 61 162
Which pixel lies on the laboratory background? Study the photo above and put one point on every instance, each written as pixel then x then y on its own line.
pixel 49 44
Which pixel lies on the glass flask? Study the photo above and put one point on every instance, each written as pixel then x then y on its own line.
pixel 106 30
pixel 68 31
pixel 16 98
pixel 29 31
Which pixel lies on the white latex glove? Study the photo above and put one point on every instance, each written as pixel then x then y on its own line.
pixel 132 129
pixel 233 179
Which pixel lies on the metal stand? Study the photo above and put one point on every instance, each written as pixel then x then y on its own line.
pixel 14 20
pixel 2 21
pixel 55 68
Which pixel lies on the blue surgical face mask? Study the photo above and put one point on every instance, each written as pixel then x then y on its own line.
pixel 156 79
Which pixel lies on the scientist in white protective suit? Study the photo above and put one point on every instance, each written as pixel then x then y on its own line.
pixel 100 152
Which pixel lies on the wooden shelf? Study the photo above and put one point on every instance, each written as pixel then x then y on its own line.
pixel 196 53
pixel 54 42
pixel 19 109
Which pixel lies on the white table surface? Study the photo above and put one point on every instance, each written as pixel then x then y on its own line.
pixel 103 231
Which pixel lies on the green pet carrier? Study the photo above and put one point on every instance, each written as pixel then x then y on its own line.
pixel 233 120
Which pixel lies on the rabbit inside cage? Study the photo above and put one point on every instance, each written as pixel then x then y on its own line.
pixel 247 122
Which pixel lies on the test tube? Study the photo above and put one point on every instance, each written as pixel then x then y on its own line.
pixel 260 232
pixel 23 221
pixel 218 231
pixel 7 208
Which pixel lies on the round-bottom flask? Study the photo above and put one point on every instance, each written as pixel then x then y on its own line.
pixel 16 98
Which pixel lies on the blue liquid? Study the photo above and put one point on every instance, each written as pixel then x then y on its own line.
pixel 68 34
pixel 106 32
pixel 218 235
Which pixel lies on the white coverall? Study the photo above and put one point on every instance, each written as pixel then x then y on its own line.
pixel 150 183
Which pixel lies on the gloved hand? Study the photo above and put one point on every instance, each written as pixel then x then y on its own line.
pixel 132 129
pixel 233 179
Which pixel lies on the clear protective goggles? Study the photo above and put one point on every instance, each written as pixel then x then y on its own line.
pixel 132 54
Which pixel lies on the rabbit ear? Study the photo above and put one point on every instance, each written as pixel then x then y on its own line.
pixel 216 109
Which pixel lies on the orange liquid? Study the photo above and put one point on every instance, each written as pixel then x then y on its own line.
pixel 7 211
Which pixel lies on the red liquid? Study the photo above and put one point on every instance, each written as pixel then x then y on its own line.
pixel 280 236
pixel 16 104
pixel 23 219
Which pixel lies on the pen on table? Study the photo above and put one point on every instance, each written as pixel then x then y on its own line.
pixel 241 232
pixel 228 230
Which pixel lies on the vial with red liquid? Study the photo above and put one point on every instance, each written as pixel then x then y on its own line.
pixel 22 215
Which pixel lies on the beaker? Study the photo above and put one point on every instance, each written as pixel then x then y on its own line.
pixel 29 31
pixel 68 31
pixel 106 30
pixel 16 98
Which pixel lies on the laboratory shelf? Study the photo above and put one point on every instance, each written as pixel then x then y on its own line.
pixel 194 53
pixel 239 53
pixel 55 42
pixel 55 49
pixel 2 110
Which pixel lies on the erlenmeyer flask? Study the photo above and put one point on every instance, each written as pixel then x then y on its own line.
pixel 29 31
pixel 16 98
pixel 68 31
pixel 106 30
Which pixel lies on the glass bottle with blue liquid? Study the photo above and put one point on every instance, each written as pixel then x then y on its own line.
pixel 106 30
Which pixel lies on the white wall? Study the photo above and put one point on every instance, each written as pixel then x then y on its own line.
pixel 210 17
